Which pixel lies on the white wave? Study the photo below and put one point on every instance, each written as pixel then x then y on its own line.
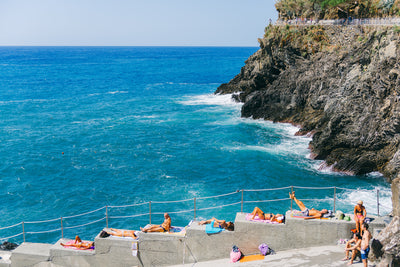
pixel 117 92
pixel 287 147
pixel 210 100
pixel 369 197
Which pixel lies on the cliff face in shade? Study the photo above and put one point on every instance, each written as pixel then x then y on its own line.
pixel 342 84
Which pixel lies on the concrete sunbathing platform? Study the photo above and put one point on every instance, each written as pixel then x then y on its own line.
pixel 192 245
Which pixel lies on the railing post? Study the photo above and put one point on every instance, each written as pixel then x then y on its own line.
pixel 62 229
pixel 106 216
pixel 291 200
pixel 149 212
pixel 23 230
pixel 377 200
pixel 194 208
pixel 241 209
pixel 334 199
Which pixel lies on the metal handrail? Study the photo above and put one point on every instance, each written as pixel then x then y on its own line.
pixel 195 209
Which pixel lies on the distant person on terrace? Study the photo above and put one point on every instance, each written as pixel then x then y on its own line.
pixel 311 213
pixel 219 224
pixel 164 227
pixel 266 216
pixel 121 233
pixel 359 214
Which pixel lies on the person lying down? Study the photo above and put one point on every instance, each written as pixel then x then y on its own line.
pixel 266 216
pixel 78 243
pixel 222 224
pixel 309 213
pixel 121 233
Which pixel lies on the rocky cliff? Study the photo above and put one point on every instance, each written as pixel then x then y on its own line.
pixel 339 83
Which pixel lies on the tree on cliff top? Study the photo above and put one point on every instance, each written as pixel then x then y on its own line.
pixel 335 9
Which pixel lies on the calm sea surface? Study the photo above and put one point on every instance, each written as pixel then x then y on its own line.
pixel 82 128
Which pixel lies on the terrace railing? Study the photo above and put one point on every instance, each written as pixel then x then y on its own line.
pixel 105 210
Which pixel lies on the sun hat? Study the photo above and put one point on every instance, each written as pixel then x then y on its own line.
pixel 360 202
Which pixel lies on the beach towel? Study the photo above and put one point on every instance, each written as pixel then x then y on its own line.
pixel 70 244
pixel 252 258
pixel 299 214
pixel 210 229
pixel 257 219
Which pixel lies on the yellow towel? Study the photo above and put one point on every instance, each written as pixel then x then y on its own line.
pixel 252 258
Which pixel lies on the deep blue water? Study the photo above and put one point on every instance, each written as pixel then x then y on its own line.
pixel 86 127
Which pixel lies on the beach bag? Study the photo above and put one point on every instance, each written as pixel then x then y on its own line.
pixel 264 249
pixel 328 214
pixel 236 254
pixel 347 218
pixel 8 246
pixel 339 215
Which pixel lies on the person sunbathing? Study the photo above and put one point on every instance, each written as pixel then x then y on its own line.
pixel 121 233
pixel 353 245
pixel 164 227
pixel 80 244
pixel 359 214
pixel 219 224
pixel 266 216
pixel 310 213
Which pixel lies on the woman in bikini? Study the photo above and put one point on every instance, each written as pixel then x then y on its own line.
pixel 80 244
pixel 121 233
pixel 219 224
pixel 359 214
pixel 265 216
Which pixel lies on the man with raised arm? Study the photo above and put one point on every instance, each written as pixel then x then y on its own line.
pixel 310 213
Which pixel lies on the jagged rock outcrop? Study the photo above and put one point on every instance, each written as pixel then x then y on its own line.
pixel 385 246
pixel 342 84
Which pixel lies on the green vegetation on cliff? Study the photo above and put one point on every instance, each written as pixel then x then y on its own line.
pixel 334 9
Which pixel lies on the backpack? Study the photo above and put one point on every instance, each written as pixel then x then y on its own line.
pixel 8 246
pixel 339 215
pixel 264 249
pixel 236 254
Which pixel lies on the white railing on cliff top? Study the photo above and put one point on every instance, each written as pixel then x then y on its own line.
pixel 195 209
pixel 371 21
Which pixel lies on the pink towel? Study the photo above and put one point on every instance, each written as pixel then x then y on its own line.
pixel 257 219
pixel 70 244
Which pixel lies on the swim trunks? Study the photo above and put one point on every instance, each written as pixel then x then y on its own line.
pixel 163 228
pixel 305 212
pixel 364 253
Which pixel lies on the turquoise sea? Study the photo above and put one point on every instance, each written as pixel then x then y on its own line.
pixel 82 128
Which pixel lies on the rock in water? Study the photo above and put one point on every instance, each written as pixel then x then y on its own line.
pixel 341 84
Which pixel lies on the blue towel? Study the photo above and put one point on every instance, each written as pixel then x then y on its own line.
pixel 210 229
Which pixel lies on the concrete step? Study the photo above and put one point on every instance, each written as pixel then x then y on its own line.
pixel 5 258
pixel 28 254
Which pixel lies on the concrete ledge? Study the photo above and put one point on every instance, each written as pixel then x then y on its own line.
pixel 252 234
pixel 28 254
pixel 115 251
pixel 160 249
pixel 157 249
pixel 71 257
pixel 5 258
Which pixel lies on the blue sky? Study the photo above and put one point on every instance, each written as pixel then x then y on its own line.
pixel 134 22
